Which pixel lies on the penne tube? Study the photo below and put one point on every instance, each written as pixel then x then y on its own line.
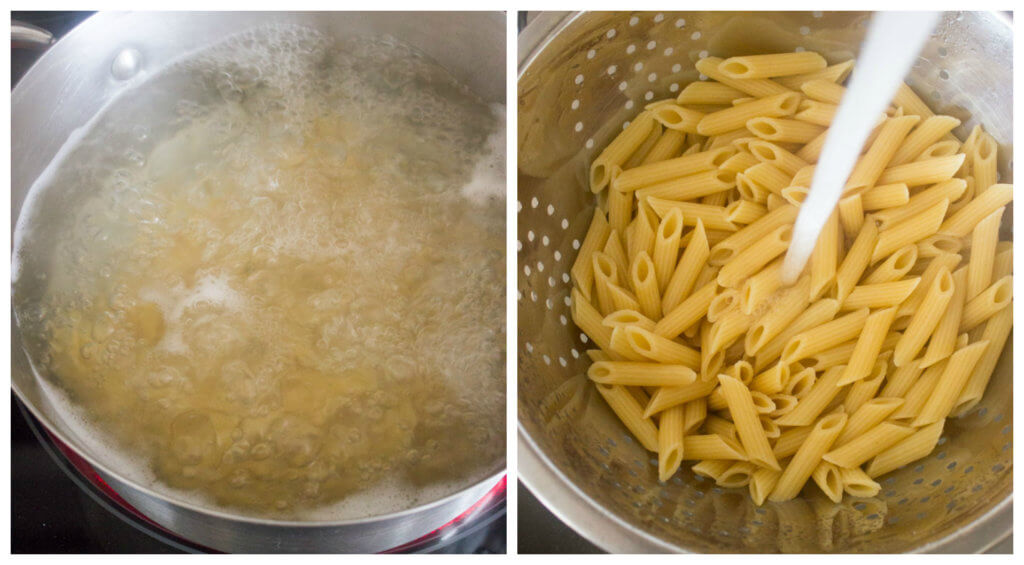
pixel 963 221
pixel 869 345
pixel 925 319
pixel 938 244
pixel 727 249
pixel 776 319
pixel 782 130
pixel 784 404
pixel 762 481
pixel 881 295
pixel 857 483
pixel 768 176
pixel 645 284
pixel 811 151
pixel 588 319
pixel 869 168
pixel 693 259
pixel 711 446
pixel 917 173
pixel 943 340
pixel 707 92
pixel 790 441
pixel 713 217
pixel 687 313
pixel 815 112
pixel 627 318
pixel 851 215
pixel 759 88
pixel 712 468
pixel 737 117
pixel 666 397
pixel 811 406
pixel 743 212
pixel 945 148
pixel 823 91
pixel 739 162
pixel 690 187
pixel 885 196
pixel 814 315
pixel 824 336
pixel 781 159
pixel 835 73
pixel 605 274
pixel 983 161
pixel 824 257
pixel 628 373
pixel 694 413
pixel 619 150
pixel 909 231
pixel 997 330
pixel 775 65
pixel 748 426
pixel 983 252
pixel 914 447
pixel 867 388
pixel 918 393
pixel 666 170
pixel 949 190
pixel 679 118
pixel 662 350
pixel 827 477
pixel 902 379
pixel 620 346
pixel 950 384
pixel 858 259
pixel 668 146
pixel 629 411
pixel 911 102
pixel 755 257
pixel 867 416
pixel 931 271
pixel 987 304
pixel 801 383
pixel 869 444
pixel 582 269
pixel 929 131
pixel 613 249
pixel 620 207
pixel 737 475
pixel 640 154
pixel 666 247
pixel 771 381
pixel 642 236
pixel 807 457
pixel 760 286
pixel 670 442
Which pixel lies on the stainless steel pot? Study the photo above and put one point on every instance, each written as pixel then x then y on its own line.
pixel 110 52
pixel 581 75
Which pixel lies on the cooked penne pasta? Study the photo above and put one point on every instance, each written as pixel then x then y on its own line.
pixel 776 65
pixel 847 374
pixel 619 150
pixel 739 116
pixel 670 442
pixel 925 319
pixel 665 170
pixel 782 130
pixel 807 457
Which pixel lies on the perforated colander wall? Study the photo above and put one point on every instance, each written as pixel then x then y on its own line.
pixel 577 89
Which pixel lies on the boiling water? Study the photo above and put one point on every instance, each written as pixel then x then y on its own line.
pixel 275 278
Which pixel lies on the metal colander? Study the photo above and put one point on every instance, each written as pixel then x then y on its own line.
pixel 581 76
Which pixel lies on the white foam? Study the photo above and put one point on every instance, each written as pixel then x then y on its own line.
pixel 488 180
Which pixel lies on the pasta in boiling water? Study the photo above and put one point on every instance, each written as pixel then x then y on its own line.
pixel 282 299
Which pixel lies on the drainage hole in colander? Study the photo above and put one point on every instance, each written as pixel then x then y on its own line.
pixel 761 511
pixel 951 505
pixel 575 244
pixel 804 30
pixel 629 104
pixel 680 23
pixel 638 67
pixel 547 360
pixel 903 501
pixel 575 354
pixel 649 95
pixel 800 49
pixel 998 467
pixel 873 516
pixel 936 482
pixel 589 145
pixel 949 489
pixel 918 481
pixel 921 515
pixel 673 87
pixel 982 412
pixel 591 54
pixel 651 45
pixel 633 21
pixel 757 523
pixel 976 488
pixel 717 490
pixel 529 347
pixel 998 418
pixel 651 78
pixel 889 482
pixel 530 235
pixel 527 270
pixel 925 499
pixel 548 304
pixel 699 494
pixel 545 241
pixel 611 442
pixel 702 55
pixel 723 533
pixel 565 278
pixel 890 493
pixel 623 86
pixel 630 49
pixel 969 469
pixel 860 506
pixel 1006 446
pixel 669 51
pixel 944 75
pixel 519 295
pixel 676 68
pixel 565 223
pixel 610 34
pixel 892 520
pixel 584 338
pixel 568 302
pixel 695 35
pixel 540 266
